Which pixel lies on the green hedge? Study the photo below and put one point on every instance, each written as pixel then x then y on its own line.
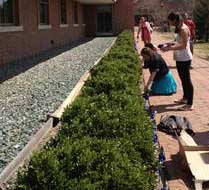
pixel 106 140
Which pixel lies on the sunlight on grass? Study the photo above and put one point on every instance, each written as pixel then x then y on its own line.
pixel 167 36
pixel 202 50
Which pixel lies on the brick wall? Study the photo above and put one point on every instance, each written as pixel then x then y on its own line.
pixel 123 15
pixel 15 45
pixel 90 12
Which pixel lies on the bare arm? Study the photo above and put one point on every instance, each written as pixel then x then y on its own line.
pixel 150 81
pixel 183 41
pixel 139 29
pixel 182 44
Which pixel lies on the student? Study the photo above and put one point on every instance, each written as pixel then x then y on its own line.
pixel 153 48
pixel 183 57
pixel 148 25
pixel 145 31
pixel 161 81
pixel 188 21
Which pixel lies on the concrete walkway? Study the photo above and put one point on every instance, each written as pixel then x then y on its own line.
pixel 199 117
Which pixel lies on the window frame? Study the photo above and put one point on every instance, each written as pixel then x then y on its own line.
pixel 75 16
pixel 83 16
pixel 47 23
pixel 63 24
pixel 15 15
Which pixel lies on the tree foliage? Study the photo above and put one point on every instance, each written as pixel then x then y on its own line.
pixel 201 18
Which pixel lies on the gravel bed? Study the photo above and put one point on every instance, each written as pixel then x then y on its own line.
pixel 27 98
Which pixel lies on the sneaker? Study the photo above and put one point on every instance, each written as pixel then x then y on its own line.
pixel 186 108
pixel 181 101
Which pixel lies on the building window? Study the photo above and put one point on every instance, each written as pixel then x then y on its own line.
pixel 44 12
pixel 9 12
pixel 75 13
pixel 63 11
pixel 83 16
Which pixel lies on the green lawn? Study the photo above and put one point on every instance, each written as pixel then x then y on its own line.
pixel 202 50
pixel 167 35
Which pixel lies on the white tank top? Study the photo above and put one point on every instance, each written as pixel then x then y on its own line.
pixel 183 54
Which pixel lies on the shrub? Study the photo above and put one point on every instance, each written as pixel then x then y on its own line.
pixel 88 164
pixel 106 139
pixel 43 173
pixel 120 116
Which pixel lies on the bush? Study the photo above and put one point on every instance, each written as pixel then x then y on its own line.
pixel 89 164
pixel 120 116
pixel 106 139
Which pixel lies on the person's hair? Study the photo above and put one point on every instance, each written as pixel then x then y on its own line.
pixel 146 18
pixel 177 18
pixel 151 46
pixel 172 16
pixel 142 17
pixel 146 51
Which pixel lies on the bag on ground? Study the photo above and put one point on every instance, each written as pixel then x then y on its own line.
pixel 172 124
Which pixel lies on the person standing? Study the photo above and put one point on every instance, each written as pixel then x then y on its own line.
pixel 145 31
pixel 188 21
pixel 148 24
pixel 183 57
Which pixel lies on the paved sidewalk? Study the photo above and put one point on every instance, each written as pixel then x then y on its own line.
pixel 181 180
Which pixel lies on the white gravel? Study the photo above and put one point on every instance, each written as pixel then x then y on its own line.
pixel 27 98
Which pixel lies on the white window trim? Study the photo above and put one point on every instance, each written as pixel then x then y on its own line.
pixel 44 27
pixel 64 25
pixel 76 25
pixel 11 28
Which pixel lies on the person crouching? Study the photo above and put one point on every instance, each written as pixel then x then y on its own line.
pixel 161 81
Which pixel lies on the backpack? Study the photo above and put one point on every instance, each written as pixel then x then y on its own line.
pixel 172 124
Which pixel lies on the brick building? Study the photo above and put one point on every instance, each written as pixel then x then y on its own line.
pixel 28 27
pixel 157 10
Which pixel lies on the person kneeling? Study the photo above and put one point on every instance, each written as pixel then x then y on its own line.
pixel 161 81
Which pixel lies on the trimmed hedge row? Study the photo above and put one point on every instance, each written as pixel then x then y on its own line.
pixel 106 140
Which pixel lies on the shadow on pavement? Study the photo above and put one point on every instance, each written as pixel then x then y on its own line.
pixel 195 68
pixel 202 138
pixel 166 107
pixel 176 172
